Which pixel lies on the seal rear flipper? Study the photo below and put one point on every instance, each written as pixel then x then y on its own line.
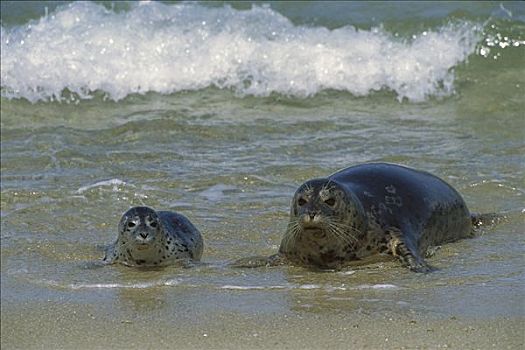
pixel 479 220
pixel 408 256
pixel 258 261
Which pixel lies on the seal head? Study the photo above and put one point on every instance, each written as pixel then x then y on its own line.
pixel 326 224
pixel 140 232
pixel 154 238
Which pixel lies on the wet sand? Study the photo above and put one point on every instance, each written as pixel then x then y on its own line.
pixel 65 325
pixel 377 306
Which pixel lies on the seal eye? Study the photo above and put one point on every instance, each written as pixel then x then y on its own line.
pixel 153 224
pixel 131 224
pixel 301 201
pixel 330 202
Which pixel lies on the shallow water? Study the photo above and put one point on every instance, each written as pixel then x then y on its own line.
pixel 230 156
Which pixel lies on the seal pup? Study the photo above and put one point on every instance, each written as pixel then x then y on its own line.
pixel 368 210
pixel 154 238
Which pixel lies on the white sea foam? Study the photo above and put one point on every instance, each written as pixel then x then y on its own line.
pixel 377 286
pixel 217 192
pixel 113 182
pixel 83 47
pixel 233 287
pixel 327 288
pixel 134 285
pixel 178 282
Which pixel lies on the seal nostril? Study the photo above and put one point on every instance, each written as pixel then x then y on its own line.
pixel 144 235
pixel 330 202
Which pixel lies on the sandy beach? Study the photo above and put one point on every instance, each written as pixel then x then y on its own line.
pixel 69 326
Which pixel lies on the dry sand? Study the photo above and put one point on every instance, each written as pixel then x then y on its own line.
pixel 63 325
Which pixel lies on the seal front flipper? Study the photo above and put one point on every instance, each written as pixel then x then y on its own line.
pixel 431 251
pixel 399 247
pixel 110 256
pixel 259 261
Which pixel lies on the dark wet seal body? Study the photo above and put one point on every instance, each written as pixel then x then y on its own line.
pixel 368 210
pixel 154 238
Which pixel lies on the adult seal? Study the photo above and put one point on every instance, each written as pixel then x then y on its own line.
pixel 154 238
pixel 370 209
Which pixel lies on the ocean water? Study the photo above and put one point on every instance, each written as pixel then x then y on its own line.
pixel 220 111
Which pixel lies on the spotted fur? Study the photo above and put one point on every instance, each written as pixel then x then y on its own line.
pixel 371 210
pixel 150 238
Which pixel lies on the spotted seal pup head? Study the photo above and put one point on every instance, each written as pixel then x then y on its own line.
pixel 140 234
pixel 326 224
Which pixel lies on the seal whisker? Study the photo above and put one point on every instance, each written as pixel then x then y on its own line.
pixel 345 230
pixel 340 234
pixel 348 230
pixel 292 232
